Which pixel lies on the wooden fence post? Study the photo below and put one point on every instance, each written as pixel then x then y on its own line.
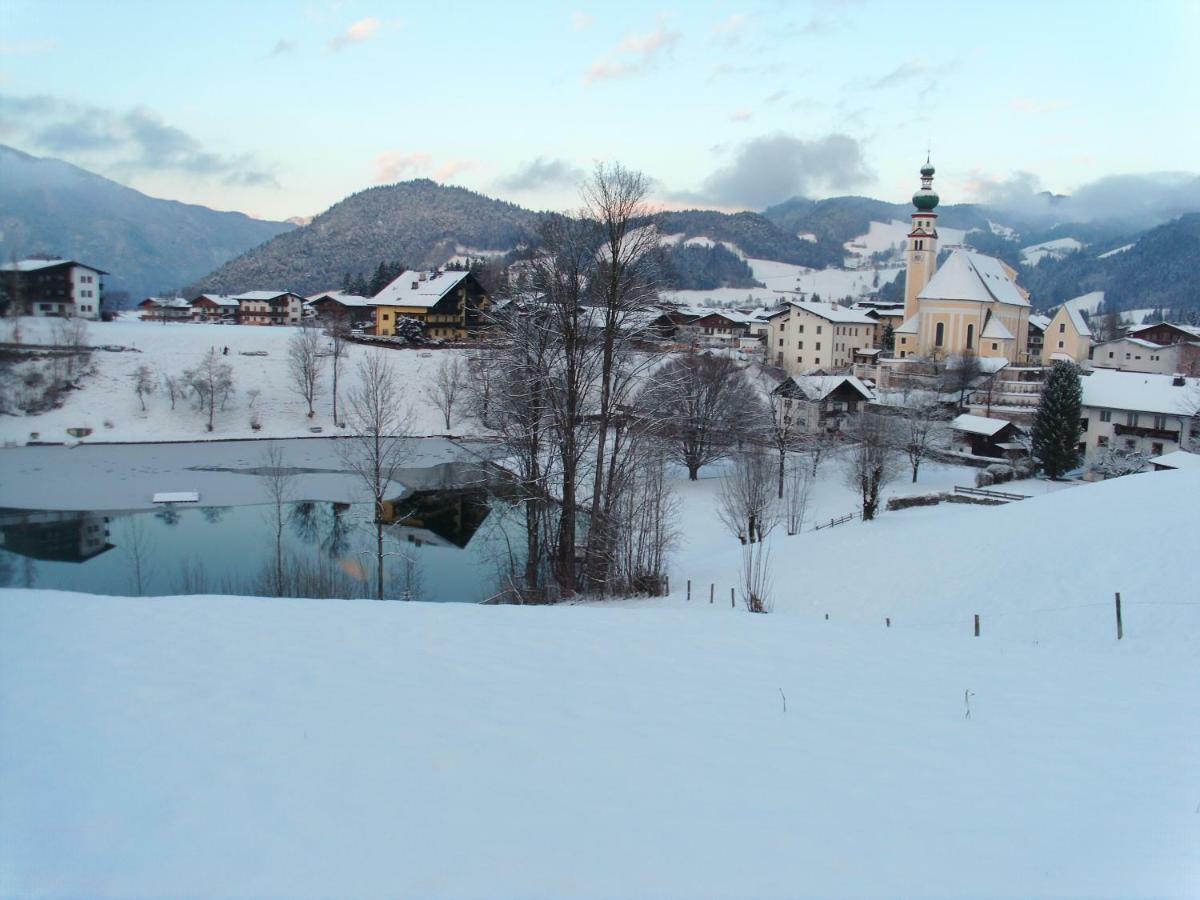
pixel 976 624
pixel 1120 630
pixel 888 620
pixel 689 594
pixel 732 604
pixel 711 591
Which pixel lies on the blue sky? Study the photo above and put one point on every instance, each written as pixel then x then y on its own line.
pixel 281 109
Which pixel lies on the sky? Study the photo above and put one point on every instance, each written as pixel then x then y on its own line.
pixel 280 109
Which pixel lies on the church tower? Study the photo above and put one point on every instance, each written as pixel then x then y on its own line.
pixel 922 242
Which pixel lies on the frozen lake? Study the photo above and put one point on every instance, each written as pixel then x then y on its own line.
pixel 83 519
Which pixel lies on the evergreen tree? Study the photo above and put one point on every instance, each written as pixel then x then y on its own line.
pixel 1056 428
pixel 889 338
pixel 380 280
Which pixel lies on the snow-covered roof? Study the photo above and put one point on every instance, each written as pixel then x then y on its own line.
pixel 909 326
pixel 1193 330
pixel 172 302
pixel 818 387
pixel 995 330
pixel 979 425
pixel 421 289
pixel 219 299
pixel 1178 459
pixel 1140 392
pixel 1137 342
pixel 829 311
pixel 1041 323
pixel 973 276
pixel 32 265
pixel 739 318
pixel 343 298
pixel 260 295
pixel 1079 321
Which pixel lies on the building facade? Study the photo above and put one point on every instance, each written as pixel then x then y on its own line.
pixel 1132 412
pixel 449 305
pixel 53 287
pixel 804 335
pixel 269 308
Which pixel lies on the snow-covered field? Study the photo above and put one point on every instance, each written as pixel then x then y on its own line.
pixel 1115 251
pixel 882 236
pixel 108 396
pixel 214 746
pixel 782 279
pixel 1058 248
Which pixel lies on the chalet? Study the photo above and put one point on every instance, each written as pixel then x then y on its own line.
pixel 819 404
pixel 214 308
pixel 269 308
pixel 1133 354
pixel 52 287
pixel 885 312
pixel 450 305
pixel 806 335
pixel 720 327
pixel 342 307
pixel 1138 413
pixel 166 309
pixel 671 321
pixel 987 437
pixel 1166 333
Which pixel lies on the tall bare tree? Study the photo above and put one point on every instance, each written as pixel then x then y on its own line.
pixel 379 423
pixel 446 389
pixel 337 328
pixel 960 375
pixel 279 483
pixel 305 362
pixel 920 432
pixel 749 509
pixel 143 383
pixel 797 488
pixel 873 460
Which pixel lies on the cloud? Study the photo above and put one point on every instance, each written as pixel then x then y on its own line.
pixel 1020 104
pixel 740 115
pixel 543 172
pixel 133 142
pixel 581 21
pixel 362 30
pixel 392 165
pixel 27 48
pixel 282 48
pixel 774 167
pixel 729 32
pixel 906 71
pixel 636 53
pixel 1139 200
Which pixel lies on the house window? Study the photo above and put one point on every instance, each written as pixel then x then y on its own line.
pixel 1060 345
pixel 781 342
pixel 1083 424
pixel 1102 441
pixel 971 337
pixel 1106 415
pixel 1062 327
pixel 1130 444
pixel 1156 448
pixel 799 345
pixel 1131 418
pixel 1110 354
pixel 1160 423
pixel 818 329
pixel 939 334
pixel 995 346
pixel 818 345
pixel 904 340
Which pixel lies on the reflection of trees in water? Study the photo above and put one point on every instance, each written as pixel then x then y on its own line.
pixel 212 514
pixel 305 519
pixel 8 571
pixel 323 525
pixel 337 537
pixel 168 516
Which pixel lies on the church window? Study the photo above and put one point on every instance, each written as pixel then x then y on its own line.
pixel 971 336
pixel 939 334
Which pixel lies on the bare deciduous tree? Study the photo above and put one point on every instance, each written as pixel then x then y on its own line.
pixel 960 375
pixel 703 403
pixel 797 488
pixel 920 432
pixel 279 483
pixel 448 385
pixel 211 383
pixel 174 385
pixel 143 383
pixel 379 423
pixel 338 330
pixel 872 462
pixel 305 362
pixel 749 509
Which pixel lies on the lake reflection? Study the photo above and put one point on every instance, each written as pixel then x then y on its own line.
pixel 443 543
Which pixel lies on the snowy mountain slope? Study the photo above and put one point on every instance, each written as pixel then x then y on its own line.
pixel 1057 249
pixel 319 748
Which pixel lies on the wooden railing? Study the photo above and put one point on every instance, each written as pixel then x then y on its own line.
pixel 984 492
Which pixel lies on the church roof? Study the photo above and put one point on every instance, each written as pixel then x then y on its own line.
pixel 973 276
pixel 909 326
pixel 995 330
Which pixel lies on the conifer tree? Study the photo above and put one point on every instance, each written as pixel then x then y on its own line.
pixel 1056 427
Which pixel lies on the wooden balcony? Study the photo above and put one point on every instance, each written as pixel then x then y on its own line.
pixel 1160 434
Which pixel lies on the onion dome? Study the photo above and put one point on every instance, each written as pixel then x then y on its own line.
pixel 926 199
pixel 927 169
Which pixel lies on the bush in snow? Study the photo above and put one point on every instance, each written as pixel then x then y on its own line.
pixel 984 478
pixel 1001 472
pixel 1024 467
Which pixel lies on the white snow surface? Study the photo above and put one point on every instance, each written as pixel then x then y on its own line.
pixel 1057 248
pixel 1115 251
pixel 882 236
pixel 108 395
pixel 215 746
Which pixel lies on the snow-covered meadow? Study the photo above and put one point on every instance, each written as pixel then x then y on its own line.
pixel 108 396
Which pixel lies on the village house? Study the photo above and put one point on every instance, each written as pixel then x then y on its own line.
pixel 1134 412
pixel 450 305
pixel 338 306
pixel 719 327
pixel 986 437
pixel 166 309
pixel 1166 333
pixel 52 287
pixel 1068 337
pixel 806 335
pixel 1037 338
pixel 214 308
pixel 819 404
pixel 269 308
pixel 1176 459
pixel 1132 354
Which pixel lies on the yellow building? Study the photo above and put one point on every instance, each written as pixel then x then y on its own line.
pixel 970 305
pixel 1067 337
pixel 449 305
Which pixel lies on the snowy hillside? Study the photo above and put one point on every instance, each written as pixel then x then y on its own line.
pixel 207 746
pixel 892 236
pixel 1057 249
pixel 108 396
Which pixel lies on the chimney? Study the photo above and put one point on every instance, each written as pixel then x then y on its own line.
pixel 415 283
pixel 1178 380
pixel 424 276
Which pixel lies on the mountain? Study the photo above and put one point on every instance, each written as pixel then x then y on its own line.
pixel 419 223
pixel 52 208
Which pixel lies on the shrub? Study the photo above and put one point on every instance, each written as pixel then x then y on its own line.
pixel 984 478
pixel 1001 472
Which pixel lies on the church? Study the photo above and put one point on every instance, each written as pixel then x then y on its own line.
pixel 969 305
